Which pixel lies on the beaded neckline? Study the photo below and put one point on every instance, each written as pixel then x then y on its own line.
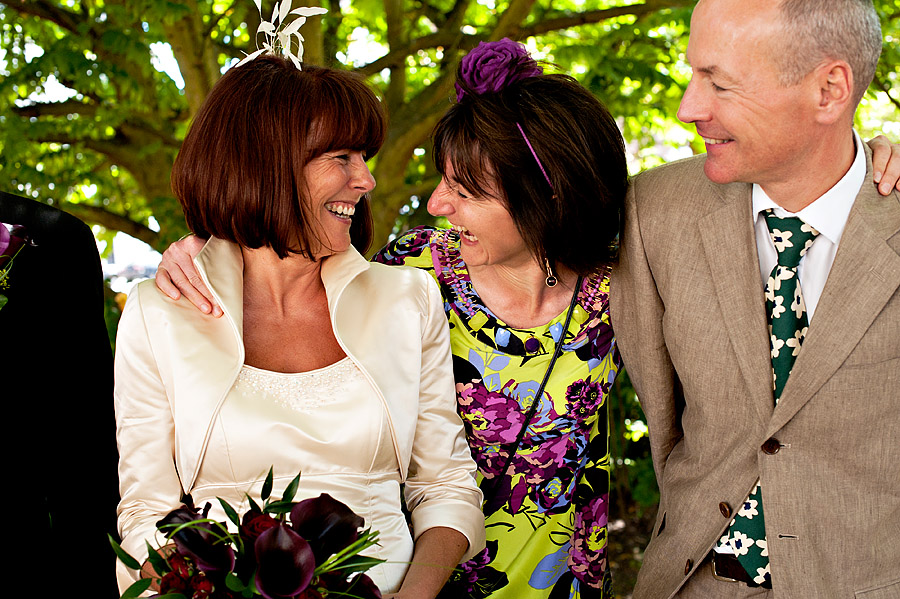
pixel 300 391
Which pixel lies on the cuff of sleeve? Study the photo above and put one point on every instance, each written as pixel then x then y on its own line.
pixel 135 545
pixel 461 516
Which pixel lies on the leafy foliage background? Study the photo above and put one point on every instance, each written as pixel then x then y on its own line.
pixel 104 152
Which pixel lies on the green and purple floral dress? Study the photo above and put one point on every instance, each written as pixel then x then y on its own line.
pixel 547 526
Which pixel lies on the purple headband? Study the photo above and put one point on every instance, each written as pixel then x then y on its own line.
pixel 536 159
pixel 490 67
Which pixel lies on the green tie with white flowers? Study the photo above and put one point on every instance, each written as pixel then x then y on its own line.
pixel 787 329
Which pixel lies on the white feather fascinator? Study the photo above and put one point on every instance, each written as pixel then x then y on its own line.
pixel 280 37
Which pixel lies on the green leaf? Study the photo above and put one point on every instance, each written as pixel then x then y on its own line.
pixel 137 588
pixel 279 507
pixel 251 589
pixel 336 562
pixel 291 489
pixel 267 486
pixel 217 529
pixel 3 300
pixel 234 583
pixel 229 511
pixel 158 562
pixel 357 563
pixel 123 555
pixel 253 504
pixel 171 596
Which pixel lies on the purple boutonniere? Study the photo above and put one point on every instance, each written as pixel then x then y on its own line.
pixel 12 239
pixel 4 239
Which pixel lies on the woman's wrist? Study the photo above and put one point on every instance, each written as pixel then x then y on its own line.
pixel 437 553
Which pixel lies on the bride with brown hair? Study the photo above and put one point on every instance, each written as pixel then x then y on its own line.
pixel 323 363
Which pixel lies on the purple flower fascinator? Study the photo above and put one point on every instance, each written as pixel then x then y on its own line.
pixel 491 66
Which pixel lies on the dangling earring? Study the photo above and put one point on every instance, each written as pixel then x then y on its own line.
pixel 551 280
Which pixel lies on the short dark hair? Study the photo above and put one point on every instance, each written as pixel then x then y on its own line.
pixel 577 222
pixel 239 174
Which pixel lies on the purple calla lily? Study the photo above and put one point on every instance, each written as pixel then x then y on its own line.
pixel 200 541
pixel 364 587
pixel 268 555
pixel 327 524
pixel 286 563
pixel 4 238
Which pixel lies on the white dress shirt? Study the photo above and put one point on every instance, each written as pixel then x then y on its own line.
pixel 827 214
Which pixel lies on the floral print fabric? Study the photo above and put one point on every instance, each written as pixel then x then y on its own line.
pixel 547 520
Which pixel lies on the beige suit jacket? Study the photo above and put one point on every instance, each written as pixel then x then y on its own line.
pixel 690 320
pixel 175 366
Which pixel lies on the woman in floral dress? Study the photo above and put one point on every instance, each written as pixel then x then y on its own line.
pixel 547 527
pixel 534 179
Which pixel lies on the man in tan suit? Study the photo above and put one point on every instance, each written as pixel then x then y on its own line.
pixel 697 313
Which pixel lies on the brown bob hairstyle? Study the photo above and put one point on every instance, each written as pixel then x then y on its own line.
pixel 239 174
pixel 575 223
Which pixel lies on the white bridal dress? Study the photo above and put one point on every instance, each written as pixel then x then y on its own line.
pixel 327 424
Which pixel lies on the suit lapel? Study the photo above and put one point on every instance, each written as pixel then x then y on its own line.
pixel 864 276
pixel 735 272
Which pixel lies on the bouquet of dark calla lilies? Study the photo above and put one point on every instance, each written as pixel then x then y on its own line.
pixel 303 550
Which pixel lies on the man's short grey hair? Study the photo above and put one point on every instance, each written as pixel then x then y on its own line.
pixel 819 30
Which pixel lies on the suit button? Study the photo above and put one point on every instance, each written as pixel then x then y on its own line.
pixel 688 566
pixel 725 509
pixel 772 446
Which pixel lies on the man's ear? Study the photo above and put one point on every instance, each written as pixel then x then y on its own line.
pixel 833 82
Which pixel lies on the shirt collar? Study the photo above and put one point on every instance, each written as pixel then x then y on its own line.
pixel 828 213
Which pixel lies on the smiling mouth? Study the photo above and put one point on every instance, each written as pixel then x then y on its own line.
pixel 712 141
pixel 463 232
pixel 341 210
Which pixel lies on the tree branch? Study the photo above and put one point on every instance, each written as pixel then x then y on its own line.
pixel 595 16
pixel 430 12
pixel 456 16
pixel 139 132
pixel 112 221
pixel 39 109
pixel 396 57
pixel 196 58
pixel 314 46
pixel 396 89
pixel 48 11
pixel 511 19
pixel 449 36
pixel 331 21
pixel 74 22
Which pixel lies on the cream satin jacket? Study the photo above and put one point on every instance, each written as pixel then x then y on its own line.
pixel 175 366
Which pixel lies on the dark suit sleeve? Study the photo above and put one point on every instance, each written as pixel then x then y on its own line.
pixel 57 386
